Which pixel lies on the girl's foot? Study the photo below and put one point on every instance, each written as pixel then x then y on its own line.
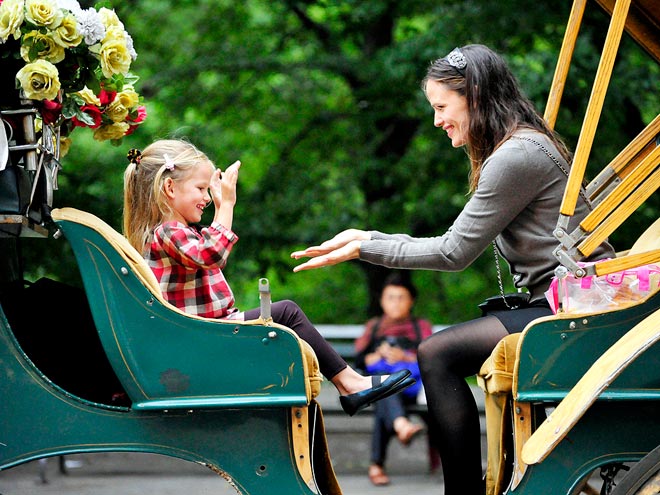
pixel 380 389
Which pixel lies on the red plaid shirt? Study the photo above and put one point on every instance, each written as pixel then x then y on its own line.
pixel 188 264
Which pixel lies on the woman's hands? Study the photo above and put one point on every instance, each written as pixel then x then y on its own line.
pixel 342 247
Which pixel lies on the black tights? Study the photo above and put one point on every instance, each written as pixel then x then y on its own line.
pixel 446 358
pixel 289 314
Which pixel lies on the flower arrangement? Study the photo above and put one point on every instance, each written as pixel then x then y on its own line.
pixel 74 64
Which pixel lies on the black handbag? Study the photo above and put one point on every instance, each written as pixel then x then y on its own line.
pixel 504 302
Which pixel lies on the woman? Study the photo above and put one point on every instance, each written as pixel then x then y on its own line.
pixel 518 174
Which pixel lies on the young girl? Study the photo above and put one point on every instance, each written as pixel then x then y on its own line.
pixel 166 189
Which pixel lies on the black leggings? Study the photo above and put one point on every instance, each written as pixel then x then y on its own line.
pixel 289 314
pixel 446 358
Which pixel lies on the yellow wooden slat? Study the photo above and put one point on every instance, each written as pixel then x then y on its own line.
pixel 564 62
pixel 623 211
pixel 626 262
pixel 594 107
pixel 622 191
pixel 627 158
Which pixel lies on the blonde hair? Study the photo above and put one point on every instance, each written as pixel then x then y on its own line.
pixel 145 203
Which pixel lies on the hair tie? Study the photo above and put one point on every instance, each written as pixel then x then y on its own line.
pixel 169 163
pixel 134 155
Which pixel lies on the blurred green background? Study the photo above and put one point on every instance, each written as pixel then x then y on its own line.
pixel 321 101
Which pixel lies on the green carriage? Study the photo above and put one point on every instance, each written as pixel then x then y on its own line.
pixel 573 395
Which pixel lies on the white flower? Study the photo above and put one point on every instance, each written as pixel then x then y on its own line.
pixel 70 5
pixel 129 46
pixel 91 26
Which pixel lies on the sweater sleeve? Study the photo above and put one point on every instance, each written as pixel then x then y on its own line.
pixel 506 186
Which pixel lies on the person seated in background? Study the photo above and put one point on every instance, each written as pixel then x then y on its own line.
pixel 388 344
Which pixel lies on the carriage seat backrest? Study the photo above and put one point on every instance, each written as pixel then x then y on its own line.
pixel 649 240
pixel 166 358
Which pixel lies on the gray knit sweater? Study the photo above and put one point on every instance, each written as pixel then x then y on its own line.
pixel 516 202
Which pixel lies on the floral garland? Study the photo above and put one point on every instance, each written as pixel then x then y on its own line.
pixel 74 63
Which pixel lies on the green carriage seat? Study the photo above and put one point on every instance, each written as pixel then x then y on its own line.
pixel 170 362
pixel 167 359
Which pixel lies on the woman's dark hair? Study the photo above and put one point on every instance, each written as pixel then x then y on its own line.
pixel 401 279
pixel 496 105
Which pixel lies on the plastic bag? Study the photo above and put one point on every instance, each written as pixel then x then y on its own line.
pixel 592 294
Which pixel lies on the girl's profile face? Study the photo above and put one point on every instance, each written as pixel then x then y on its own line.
pixel 189 196
pixel 449 112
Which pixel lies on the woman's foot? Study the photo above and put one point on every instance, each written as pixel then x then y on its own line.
pixel 378 476
pixel 406 430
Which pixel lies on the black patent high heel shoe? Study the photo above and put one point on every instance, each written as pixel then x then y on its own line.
pixel 396 382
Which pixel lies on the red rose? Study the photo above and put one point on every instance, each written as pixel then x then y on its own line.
pixel 140 114
pixel 107 97
pixel 93 112
pixel 50 110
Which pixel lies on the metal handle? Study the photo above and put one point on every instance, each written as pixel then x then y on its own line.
pixel 264 298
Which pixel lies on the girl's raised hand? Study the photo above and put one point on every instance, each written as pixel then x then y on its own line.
pixel 223 184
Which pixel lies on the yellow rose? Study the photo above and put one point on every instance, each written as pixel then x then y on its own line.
pixel 50 50
pixel 116 111
pixel 128 97
pixel 109 18
pixel 89 97
pixel 113 131
pixel 67 34
pixel 39 80
pixel 115 57
pixel 65 145
pixel 43 13
pixel 11 18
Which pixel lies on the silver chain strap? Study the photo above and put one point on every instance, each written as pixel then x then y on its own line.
pixel 554 159
pixel 497 251
pixel 499 276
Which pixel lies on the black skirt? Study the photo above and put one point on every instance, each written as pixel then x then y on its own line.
pixel 515 320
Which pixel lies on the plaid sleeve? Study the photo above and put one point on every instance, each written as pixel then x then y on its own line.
pixel 187 264
pixel 208 248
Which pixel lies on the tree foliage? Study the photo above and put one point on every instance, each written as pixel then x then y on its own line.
pixel 320 100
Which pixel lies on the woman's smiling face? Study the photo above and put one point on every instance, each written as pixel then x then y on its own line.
pixel 449 112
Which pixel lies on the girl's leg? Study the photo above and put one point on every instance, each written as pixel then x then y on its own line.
pixel 446 358
pixel 333 366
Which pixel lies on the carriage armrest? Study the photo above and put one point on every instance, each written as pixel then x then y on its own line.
pixel 167 359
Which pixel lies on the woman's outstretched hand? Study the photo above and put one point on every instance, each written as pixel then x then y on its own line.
pixel 342 247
